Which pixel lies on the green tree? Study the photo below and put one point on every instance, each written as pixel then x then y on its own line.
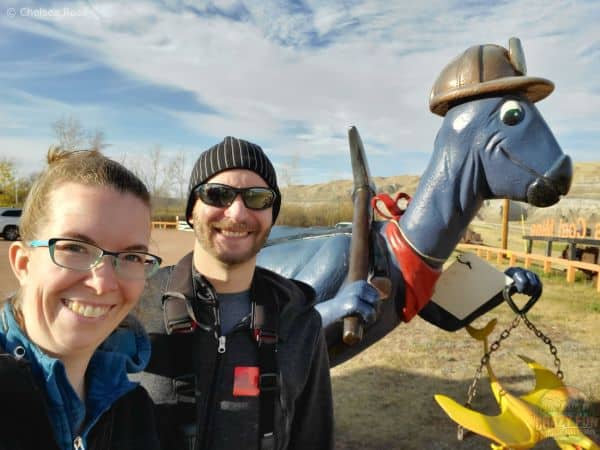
pixel 7 182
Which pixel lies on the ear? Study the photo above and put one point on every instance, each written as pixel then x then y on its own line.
pixel 19 257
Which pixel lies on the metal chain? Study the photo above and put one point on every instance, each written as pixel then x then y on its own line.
pixel 461 433
pixel 548 342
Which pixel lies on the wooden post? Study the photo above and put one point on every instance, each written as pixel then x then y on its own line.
pixel 570 274
pixel 505 213
pixel 547 266
pixel 572 251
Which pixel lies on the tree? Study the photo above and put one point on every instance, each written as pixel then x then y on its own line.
pixel 288 173
pixel 153 171
pixel 71 135
pixel 178 174
pixel 14 189
pixel 8 185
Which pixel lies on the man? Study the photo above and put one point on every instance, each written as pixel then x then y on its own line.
pixel 240 360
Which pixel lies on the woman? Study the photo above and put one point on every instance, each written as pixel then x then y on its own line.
pixel 81 267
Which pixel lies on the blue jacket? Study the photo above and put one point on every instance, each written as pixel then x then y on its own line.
pixel 106 378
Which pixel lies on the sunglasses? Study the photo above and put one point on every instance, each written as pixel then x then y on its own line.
pixel 222 195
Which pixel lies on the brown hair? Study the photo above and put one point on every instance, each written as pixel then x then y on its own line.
pixel 88 167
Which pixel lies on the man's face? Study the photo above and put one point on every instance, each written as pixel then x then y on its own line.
pixel 232 234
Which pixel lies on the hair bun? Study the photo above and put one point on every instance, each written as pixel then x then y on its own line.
pixel 57 153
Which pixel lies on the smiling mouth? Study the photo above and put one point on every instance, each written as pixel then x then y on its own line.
pixel 230 233
pixel 84 310
pixel 232 230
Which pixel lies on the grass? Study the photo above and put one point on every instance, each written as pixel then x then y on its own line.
pixel 384 396
pixel 313 214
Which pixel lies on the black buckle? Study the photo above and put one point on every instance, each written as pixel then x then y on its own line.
pixel 267 441
pixel 268 381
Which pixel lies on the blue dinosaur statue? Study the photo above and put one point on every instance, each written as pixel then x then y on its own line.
pixel 493 143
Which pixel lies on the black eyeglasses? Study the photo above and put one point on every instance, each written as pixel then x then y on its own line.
pixel 82 256
pixel 222 195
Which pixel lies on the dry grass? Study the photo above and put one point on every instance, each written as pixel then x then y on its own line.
pixel 384 396
pixel 313 214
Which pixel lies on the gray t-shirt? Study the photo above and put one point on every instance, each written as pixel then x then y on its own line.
pixel 233 308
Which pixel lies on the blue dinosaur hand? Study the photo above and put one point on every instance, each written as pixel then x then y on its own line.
pixel 525 281
pixel 358 298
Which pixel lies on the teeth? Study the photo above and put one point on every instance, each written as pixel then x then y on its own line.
pixel 234 233
pixel 86 310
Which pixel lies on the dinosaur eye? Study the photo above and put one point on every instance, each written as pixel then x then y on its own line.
pixel 511 112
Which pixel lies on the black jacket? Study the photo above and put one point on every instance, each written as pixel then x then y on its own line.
pixel 128 425
pixel 303 412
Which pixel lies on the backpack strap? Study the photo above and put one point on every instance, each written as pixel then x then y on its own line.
pixel 178 313
pixel 265 323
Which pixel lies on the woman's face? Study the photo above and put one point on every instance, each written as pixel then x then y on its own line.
pixel 68 312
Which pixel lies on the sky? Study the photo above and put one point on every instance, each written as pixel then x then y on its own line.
pixel 291 76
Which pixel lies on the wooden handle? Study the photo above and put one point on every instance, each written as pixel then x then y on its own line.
pixel 358 265
pixel 353 330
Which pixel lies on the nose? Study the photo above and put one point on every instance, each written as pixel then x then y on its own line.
pixel 104 276
pixel 561 174
pixel 237 208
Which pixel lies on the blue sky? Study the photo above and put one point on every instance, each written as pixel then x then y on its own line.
pixel 288 75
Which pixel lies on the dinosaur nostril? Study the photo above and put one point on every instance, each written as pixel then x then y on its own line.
pixel 561 174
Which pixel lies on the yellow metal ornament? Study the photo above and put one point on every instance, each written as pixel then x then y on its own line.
pixel 526 420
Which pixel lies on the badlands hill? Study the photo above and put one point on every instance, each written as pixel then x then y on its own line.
pixel 586 185
pixel 583 199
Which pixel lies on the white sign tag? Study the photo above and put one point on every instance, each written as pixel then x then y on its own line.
pixel 468 283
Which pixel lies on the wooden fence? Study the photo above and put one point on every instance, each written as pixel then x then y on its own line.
pixel 527 258
pixel 163 224
pixel 176 225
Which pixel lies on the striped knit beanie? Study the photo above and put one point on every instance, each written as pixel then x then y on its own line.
pixel 232 153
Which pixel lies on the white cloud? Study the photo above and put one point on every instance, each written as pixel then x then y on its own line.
pixel 332 64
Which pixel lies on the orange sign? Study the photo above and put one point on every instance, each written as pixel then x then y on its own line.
pixel 577 229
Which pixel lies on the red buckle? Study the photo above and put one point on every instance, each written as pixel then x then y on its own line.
pixel 265 336
pixel 184 327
